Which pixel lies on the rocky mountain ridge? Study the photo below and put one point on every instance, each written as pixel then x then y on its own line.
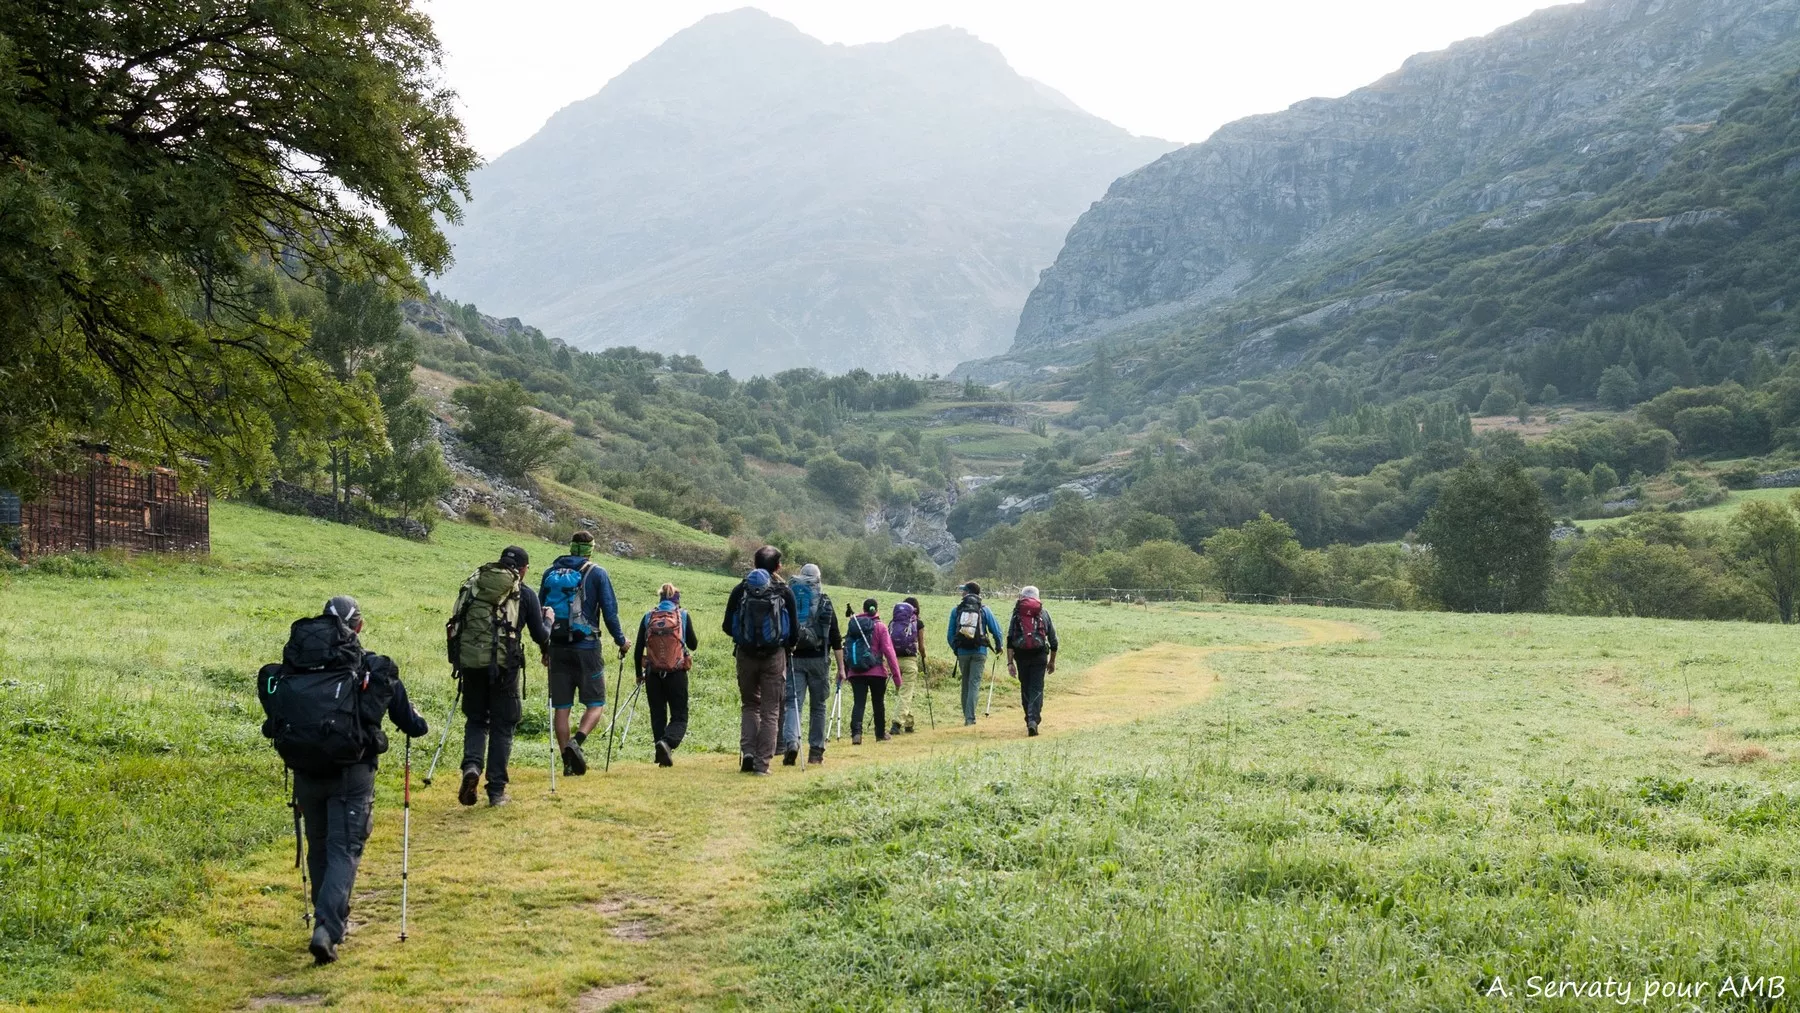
pixel 1566 102
pixel 764 200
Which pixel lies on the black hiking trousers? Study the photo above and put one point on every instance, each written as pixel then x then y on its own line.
pixel 862 688
pixel 491 705
pixel 339 812
pixel 1031 665
pixel 667 695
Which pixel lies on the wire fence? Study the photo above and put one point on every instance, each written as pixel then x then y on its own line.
pixel 1200 596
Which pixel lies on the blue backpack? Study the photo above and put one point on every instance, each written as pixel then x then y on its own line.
pixel 761 622
pixel 812 617
pixel 859 644
pixel 563 589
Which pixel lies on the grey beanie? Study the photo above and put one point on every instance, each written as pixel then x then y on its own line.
pixel 810 572
pixel 344 607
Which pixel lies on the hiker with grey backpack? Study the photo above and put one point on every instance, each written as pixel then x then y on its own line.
pixel 1031 653
pixel 972 631
pixel 323 706
pixel 494 608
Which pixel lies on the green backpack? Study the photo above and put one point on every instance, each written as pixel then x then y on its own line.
pixel 484 631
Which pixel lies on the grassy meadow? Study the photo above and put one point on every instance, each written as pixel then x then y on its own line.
pixel 1237 808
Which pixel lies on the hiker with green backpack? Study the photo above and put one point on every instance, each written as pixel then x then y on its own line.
pixel 817 641
pixel 972 630
pixel 493 609
pixel 578 594
pixel 323 705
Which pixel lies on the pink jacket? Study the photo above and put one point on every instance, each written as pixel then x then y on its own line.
pixel 883 646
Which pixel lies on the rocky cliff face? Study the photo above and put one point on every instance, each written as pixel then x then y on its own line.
pixel 764 200
pixel 1568 100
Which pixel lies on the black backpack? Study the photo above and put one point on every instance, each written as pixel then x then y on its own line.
pixel 315 699
pixel 971 625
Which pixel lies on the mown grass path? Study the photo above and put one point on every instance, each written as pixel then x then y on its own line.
pixel 637 888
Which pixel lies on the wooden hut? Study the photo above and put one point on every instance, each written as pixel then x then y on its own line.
pixel 114 504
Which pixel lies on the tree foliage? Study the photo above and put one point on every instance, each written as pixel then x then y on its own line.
pixel 1489 534
pixel 160 161
pixel 500 426
pixel 1767 541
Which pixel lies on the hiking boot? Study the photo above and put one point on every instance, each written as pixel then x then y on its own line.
pixel 324 951
pixel 879 737
pixel 788 758
pixel 574 762
pixel 815 756
pixel 1031 728
pixel 968 721
pixel 894 730
pixel 909 726
pixel 471 778
pixel 747 764
pixel 759 773
pixel 501 799
pixel 664 757
pixel 856 740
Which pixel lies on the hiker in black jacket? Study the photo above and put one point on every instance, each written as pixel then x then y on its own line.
pixel 334 779
pixel 761 649
pixel 1031 653
pixel 491 689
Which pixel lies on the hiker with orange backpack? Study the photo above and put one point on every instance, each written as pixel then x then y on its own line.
pixel 1030 653
pixel 663 657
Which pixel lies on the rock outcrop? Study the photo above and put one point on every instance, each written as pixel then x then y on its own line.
pixel 751 195
pixel 1560 103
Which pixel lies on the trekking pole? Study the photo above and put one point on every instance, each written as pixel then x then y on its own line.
pixel 444 735
pixel 550 712
pixel 990 703
pixel 630 712
pixel 306 910
pixel 925 675
pixel 405 836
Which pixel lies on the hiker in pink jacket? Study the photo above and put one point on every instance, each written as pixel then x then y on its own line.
pixel 868 651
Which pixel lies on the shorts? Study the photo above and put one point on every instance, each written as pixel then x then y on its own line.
pixel 572 669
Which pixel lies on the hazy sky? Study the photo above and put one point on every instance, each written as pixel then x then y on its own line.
pixel 1167 68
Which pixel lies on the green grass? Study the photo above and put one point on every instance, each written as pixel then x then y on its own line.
pixel 1381 824
pixel 1718 513
pixel 663 532
pixel 1386 825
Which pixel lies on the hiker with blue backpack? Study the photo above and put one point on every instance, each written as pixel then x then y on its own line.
pixel 816 642
pixel 579 594
pixel 972 630
pixel 1031 653
pixel 869 663
pixel 665 653
pixel 759 619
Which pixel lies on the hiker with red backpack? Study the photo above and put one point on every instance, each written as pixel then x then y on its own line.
pixel 905 629
pixel 759 619
pixel 324 704
pixel 816 641
pixel 972 630
pixel 1031 653
pixel 664 655
pixel 869 662
pixel 579 594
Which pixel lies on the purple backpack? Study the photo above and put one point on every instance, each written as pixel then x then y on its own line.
pixel 904 630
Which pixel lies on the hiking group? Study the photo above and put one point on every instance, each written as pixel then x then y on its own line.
pixel 325 701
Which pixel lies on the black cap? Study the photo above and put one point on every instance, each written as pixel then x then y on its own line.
pixel 514 557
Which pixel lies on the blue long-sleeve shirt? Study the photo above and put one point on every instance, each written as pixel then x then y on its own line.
pixel 598 603
pixel 988 623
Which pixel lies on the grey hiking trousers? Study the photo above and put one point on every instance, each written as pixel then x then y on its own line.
pixel 808 679
pixel 339 812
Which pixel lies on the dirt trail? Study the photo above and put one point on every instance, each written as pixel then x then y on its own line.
pixel 626 890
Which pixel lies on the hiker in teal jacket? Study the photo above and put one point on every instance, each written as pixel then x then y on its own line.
pixel 972 631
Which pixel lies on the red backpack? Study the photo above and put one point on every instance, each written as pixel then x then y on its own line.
pixel 665 646
pixel 1034 628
